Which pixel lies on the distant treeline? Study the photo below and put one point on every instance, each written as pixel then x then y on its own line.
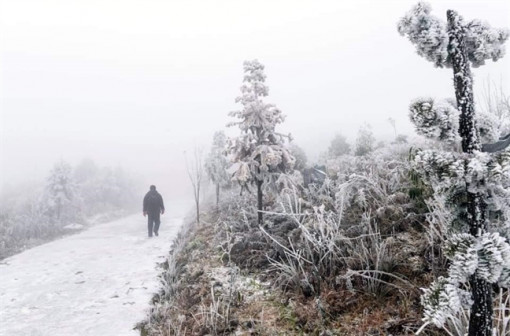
pixel 69 198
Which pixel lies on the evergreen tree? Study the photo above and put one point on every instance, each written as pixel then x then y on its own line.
pixel 475 180
pixel 216 163
pixel 60 189
pixel 259 152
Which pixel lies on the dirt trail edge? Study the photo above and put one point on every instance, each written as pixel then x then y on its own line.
pixel 97 282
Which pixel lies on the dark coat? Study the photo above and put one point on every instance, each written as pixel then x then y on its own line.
pixel 153 203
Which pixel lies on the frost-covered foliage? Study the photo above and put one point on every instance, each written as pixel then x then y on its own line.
pixel 475 185
pixel 365 141
pixel 439 120
pixel 350 224
pixel 60 190
pixel 452 174
pixel 429 34
pixel 259 151
pixel 436 120
pixel 216 163
pixel 488 256
pixel 442 300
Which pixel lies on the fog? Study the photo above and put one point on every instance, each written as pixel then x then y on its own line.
pixel 136 83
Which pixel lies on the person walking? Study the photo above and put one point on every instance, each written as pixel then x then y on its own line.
pixel 153 206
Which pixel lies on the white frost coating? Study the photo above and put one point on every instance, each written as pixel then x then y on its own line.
pixel 436 120
pixel 484 42
pixel 259 151
pixel 428 33
pixel 60 190
pixel 443 300
pixel 475 184
pixel 97 282
pixel 487 255
pixel 460 249
pixel 216 163
pixel 439 120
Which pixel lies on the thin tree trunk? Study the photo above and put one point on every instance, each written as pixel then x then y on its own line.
pixel 197 205
pixel 259 201
pixel 480 322
pixel 217 196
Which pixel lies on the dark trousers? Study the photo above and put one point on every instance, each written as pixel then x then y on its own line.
pixel 153 223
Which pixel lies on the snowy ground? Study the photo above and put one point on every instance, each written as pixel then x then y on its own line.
pixel 98 282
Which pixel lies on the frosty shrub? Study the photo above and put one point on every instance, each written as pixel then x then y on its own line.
pixel 348 229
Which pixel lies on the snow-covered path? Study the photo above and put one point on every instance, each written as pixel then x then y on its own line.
pixel 98 282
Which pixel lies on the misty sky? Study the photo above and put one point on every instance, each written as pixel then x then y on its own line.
pixel 135 83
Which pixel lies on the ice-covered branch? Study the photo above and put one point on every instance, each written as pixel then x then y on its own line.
pixel 429 34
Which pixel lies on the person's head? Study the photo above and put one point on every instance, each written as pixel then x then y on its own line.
pixel 153 188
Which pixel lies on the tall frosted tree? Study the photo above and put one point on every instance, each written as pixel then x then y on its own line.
pixel 216 164
pixel 259 153
pixel 478 182
pixel 60 189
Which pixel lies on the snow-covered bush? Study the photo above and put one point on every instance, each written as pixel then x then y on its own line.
pixel 350 228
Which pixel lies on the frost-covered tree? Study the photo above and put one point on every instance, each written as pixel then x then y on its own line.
pixel 259 153
pixel 60 189
pixel 477 182
pixel 338 146
pixel 365 141
pixel 216 163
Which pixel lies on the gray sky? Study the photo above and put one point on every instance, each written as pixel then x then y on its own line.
pixel 134 83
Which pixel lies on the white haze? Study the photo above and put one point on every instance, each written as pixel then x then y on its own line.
pixel 136 83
